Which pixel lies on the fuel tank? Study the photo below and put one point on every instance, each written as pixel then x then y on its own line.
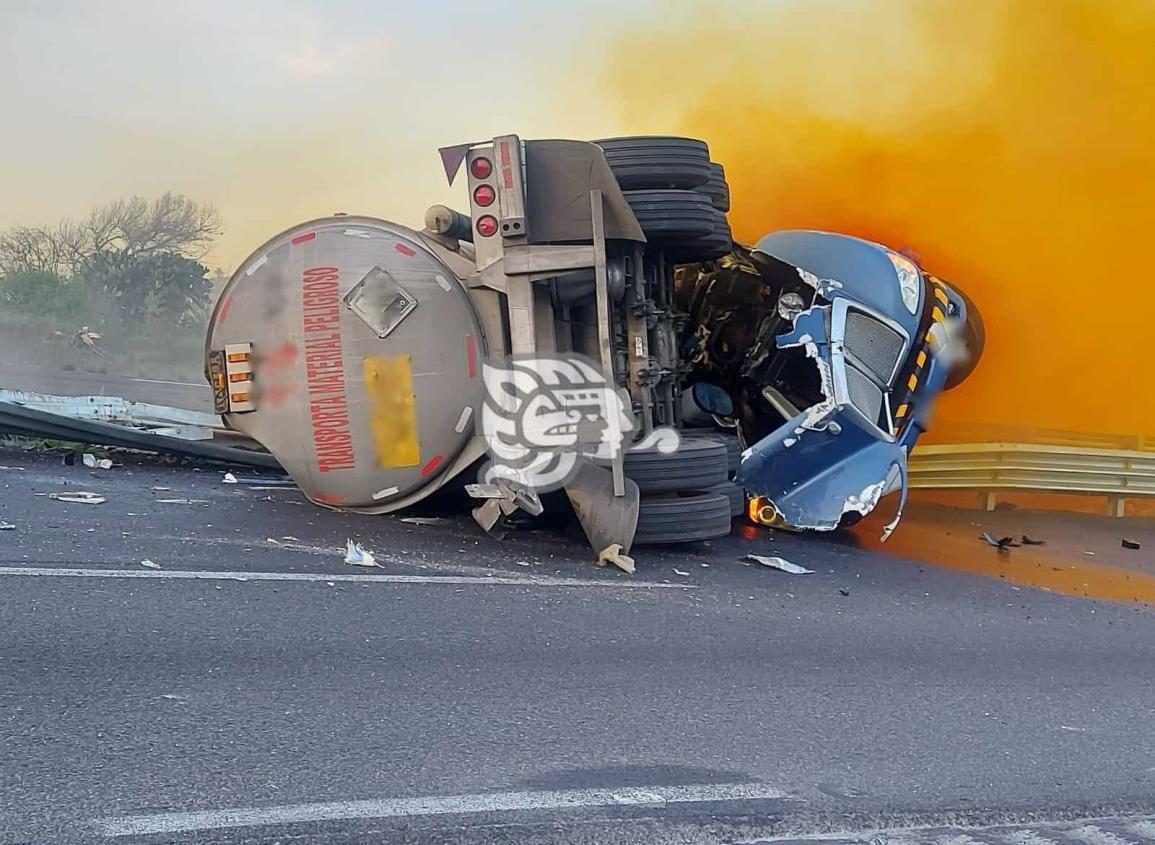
pixel 350 351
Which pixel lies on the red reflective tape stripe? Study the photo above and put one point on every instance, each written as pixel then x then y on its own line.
pixel 471 355
pixel 505 155
pixel 433 464
pixel 329 498
pixel 405 250
pixel 507 177
pixel 300 239
pixel 225 306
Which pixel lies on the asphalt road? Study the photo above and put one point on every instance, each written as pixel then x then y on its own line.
pixel 470 690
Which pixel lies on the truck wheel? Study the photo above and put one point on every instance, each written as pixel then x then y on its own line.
pixel 646 162
pixel 697 463
pixel 709 248
pixel 717 188
pixel 682 519
pixel 734 494
pixel 729 440
pixel 672 216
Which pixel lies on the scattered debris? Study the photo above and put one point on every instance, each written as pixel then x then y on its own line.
pixel 1002 544
pixel 7 526
pixel 290 539
pixel 17 469
pixel 162 489
pixel 182 501
pixel 93 462
pixel 229 478
pixel 780 564
pixel 80 497
pixel 683 574
pixel 844 591
pixel 1092 554
pixel 264 482
pixel 150 564
pixel 168 696
pixel 357 556
pixel 1027 541
pixel 422 520
pixel 613 554
pixel 1131 544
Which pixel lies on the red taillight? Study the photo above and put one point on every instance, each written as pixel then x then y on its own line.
pixel 487 225
pixel 484 195
pixel 481 167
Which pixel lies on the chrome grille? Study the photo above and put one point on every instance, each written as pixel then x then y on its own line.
pixel 873 344
pixel 864 394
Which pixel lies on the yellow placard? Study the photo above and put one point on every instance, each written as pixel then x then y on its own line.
pixel 393 417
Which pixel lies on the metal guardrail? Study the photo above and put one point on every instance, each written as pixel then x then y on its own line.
pixel 991 467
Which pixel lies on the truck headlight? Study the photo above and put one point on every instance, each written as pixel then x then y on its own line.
pixel 909 280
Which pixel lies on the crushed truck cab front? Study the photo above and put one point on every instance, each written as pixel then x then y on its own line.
pixel 833 350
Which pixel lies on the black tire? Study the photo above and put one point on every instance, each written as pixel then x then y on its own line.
pixel 682 519
pixel 734 494
pixel 730 441
pixel 671 217
pixel 717 188
pixel 708 248
pixel 697 463
pixel 655 162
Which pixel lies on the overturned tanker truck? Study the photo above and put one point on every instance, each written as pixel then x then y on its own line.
pixel 588 327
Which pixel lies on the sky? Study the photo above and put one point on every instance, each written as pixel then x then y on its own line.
pixel 279 111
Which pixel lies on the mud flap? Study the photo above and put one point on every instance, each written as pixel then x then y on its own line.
pixel 605 518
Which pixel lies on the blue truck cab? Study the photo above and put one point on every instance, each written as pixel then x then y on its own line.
pixel 832 350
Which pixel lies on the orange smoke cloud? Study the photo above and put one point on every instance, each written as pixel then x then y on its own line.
pixel 1010 143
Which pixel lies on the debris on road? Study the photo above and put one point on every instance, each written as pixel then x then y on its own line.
pixel 1027 541
pixel 182 501
pixel 229 478
pixel 7 526
pixel 613 554
pixel 680 572
pixel 80 497
pixel 92 462
pixel 844 591
pixel 150 564
pixel 168 696
pixel 1002 544
pixel 779 563
pixel 423 520
pixel 357 556
pixel 1131 544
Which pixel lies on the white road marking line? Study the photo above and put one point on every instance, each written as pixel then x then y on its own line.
pixel 1095 836
pixel 1143 829
pixel 205 575
pixel 430 806
pixel 162 381
pixel 463 420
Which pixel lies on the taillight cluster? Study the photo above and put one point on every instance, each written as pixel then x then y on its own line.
pixel 484 196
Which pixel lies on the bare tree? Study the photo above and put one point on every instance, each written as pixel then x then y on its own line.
pixel 169 225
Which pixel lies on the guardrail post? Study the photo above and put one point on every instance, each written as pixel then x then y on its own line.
pixel 987 498
pixel 1116 506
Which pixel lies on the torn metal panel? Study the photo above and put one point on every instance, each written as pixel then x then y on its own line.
pixel 111 409
pixel 821 475
pixel 30 422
